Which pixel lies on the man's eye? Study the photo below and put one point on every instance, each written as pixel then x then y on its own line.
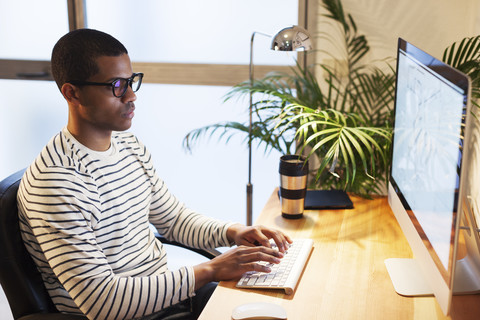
pixel 117 83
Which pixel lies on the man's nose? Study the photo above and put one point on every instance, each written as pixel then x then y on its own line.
pixel 129 95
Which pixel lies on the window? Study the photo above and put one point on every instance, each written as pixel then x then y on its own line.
pixel 191 56
pixel 213 177
pixel 192 31
pixel 33 111
pixel 20 34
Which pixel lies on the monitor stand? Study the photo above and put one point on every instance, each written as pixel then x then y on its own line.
pixel 407 277
pixel 408 281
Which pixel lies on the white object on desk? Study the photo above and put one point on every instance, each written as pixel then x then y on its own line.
pixel 259 310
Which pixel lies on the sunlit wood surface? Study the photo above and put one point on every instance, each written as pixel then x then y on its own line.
pixel 345 277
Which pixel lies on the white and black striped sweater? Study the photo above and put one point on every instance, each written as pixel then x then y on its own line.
pixel 84 217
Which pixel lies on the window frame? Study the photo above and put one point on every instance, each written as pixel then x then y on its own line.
pixel 166 73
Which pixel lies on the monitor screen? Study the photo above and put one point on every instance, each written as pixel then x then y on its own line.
pixel 426 158
pixel 431 107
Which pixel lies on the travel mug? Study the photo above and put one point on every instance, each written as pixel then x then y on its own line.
pixel 293 171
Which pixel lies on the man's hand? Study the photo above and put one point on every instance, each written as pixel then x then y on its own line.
pixel 257 236
pixel 253 246
pixel 235 262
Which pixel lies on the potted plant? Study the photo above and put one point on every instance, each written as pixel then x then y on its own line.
pixel 342 120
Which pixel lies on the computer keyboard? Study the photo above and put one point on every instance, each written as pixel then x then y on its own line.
pixel 284 275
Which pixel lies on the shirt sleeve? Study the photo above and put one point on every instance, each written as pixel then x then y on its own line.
pixel 176 222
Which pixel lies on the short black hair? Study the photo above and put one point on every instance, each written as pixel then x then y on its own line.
pixel 74 55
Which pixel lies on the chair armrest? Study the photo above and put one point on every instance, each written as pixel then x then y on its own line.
pixel 207 253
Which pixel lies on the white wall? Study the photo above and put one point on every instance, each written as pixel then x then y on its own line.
pixel 431 25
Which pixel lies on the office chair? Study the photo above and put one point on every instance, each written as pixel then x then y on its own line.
pixel 19 277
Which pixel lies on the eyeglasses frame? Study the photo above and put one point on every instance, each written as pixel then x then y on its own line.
pixel 111 84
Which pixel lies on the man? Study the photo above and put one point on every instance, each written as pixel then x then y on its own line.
pixel 86 202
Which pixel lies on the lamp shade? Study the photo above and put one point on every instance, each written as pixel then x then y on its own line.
pixel 292 38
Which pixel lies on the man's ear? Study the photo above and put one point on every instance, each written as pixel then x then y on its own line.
pixel 70 93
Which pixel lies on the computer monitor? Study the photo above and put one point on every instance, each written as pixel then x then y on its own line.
pixel 432 190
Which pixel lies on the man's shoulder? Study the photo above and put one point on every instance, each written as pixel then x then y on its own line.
pixel 58 152
pixel 60 157
pixel 53 176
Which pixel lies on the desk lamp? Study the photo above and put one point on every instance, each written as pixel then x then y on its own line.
pixel 292 38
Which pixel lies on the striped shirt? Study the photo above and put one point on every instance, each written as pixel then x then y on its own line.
pixel 85 217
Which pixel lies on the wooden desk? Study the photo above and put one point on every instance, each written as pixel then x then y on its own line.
pixel 345 277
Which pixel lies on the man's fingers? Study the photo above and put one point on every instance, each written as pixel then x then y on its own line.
pixel 262 236
pixel 237 261
pixel 260 267
pixel 281 240
pixel 261 253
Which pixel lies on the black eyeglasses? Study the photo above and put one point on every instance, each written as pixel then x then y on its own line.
pixel 119 85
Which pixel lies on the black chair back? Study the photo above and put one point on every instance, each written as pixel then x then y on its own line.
pixel 19 277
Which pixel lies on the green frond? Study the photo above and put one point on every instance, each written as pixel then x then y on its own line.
pixel 343 120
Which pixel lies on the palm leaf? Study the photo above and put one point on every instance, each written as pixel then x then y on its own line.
pixel 332 135
pixel 465 56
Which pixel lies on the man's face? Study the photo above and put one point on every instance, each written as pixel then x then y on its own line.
pixel 99 109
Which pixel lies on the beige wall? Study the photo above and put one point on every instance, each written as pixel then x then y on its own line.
pixel 431 25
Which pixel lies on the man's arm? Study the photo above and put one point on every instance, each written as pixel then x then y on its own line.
pixel 181 224
pixel 176 222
